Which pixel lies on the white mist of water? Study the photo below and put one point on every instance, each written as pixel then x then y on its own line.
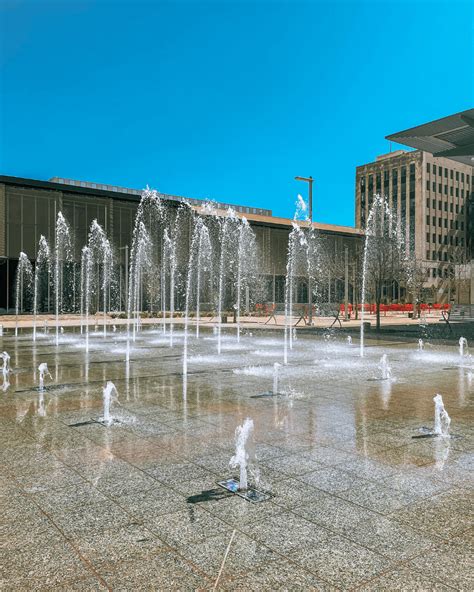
pixel 244 457
pixel 462 346
pixel 385 368
pixel 110 395
pixel 6 363
pixel 23 284
pixel 442 420
pixel 276 369
pixel 43 372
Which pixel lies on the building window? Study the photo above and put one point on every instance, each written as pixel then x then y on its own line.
pixel 440 188
pixel 445 206
pixel 451 191
pixel 451 173
pixel 427 167
pixel 457 175
pixel 427 185
pixel 462 177
pixel 445 190
pixel 446 173
pixel 433 238
pixel 427 254
pixel 434 187
pixel 451 208
pixel 427 237
pixel 457 191
pixel 427 220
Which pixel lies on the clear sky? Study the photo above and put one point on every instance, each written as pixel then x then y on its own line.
pixel 227 100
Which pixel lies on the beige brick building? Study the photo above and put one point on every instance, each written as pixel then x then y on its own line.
pixel 430 196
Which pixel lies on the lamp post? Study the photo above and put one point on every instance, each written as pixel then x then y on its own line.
pixel 309 180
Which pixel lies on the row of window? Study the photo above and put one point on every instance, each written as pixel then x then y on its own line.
pixel 433 168
pixel 452 190
pixel 454 241
pixel 453 224
pixel 440 206
pixel 438 256
pixel 438 272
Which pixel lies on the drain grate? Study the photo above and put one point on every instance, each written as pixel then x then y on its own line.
pixel 82 423
pixel 267 394
pixel 251 494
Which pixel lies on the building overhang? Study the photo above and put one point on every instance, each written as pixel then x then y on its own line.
pixel 450 137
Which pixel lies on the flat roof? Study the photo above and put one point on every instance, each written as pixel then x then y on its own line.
pixel 450 137
pixel 258 219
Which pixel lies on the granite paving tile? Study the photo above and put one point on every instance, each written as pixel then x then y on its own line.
pixel 287 532
pixel 281 575
pixel 340 562
pixel 405 580
pixel 451 563
pixel 166 572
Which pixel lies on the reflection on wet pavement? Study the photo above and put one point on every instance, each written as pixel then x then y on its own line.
pixel 356 501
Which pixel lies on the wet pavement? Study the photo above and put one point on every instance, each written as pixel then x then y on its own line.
pixel 356 501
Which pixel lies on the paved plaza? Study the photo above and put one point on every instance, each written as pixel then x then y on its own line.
pixel 356 502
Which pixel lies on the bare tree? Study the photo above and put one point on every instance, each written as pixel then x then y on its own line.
pixel 384 256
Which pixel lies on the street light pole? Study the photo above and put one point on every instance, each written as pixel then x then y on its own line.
pixel 309 180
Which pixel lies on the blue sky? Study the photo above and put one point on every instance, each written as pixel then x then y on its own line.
pixel 227 100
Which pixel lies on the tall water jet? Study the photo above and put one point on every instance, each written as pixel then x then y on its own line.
pixel 140 264
pixel 170 257
pixel 384 255
pixel 246 249
pixel 23 285
pixel 199 255
pixel 385 368
pixel 62 256
pixel 43 372
pixel 300 263
pixel 244 456
pixel 226 264
pixel 101 251
pixel 86 272
pixel 442 420
pixel 109 396
pixel 42 273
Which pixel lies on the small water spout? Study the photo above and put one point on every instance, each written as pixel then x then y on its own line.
pixel 110 395
pixel 349 340
pixel 463 346
pixel 385 368
pixel 421 345
pixel 43 371
pixel 442 420
pixel 276 368
pixel 6 369
pixel 244 457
